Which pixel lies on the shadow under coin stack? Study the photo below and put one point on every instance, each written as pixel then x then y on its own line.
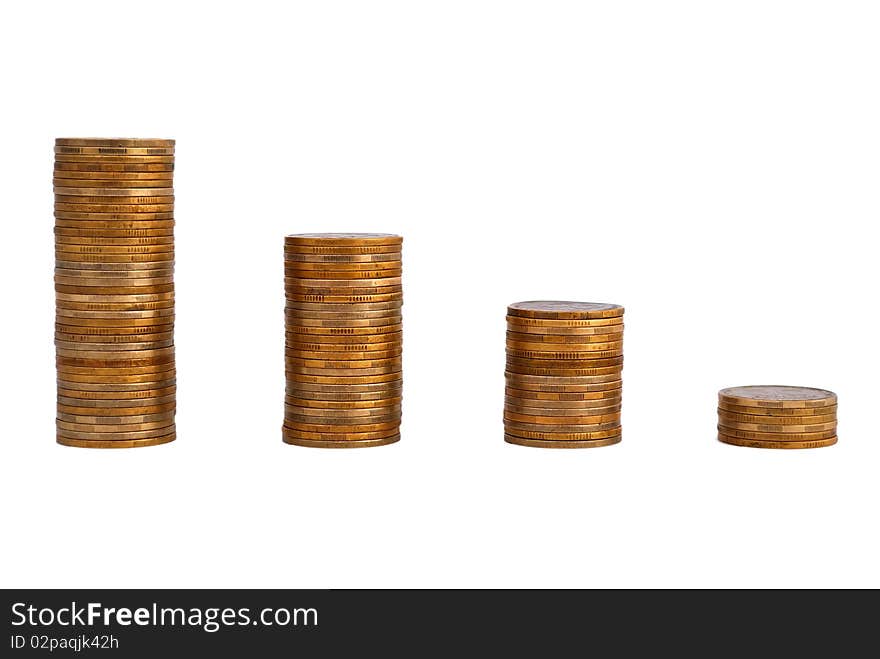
pixel 564 365
pixel 773 416
pixel 114 292
pixel 344 340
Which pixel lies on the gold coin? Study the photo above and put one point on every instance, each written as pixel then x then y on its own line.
pixel 562 341
pixel 344 331
pixel 114 387
pixel 352 382
pixel 325 278
pixel 295 342
pixel 101 299
pixel 355 299
pixel 95 195
pixel 561 414
pixel 615 341
pixel 336 250
pixel 121 282
pixel 559 418
pixel 540 435
pixel 114 208
pixel 111 188
pixel 603 351
pixel 104 403
pixel 136 443
pixel 72 336
pixel 777 420
pixel 115 150
pixel 342 372
pixel 142 434
pixel 565 364
pixel 109 360
pixel 68 233
pixel 102 318
pixel 336 443
pixel 107 290
pixel 109 159
pixel 777 396
pixel 323 260
pixel 540 443
pixel 547 407
pixel 774 412
pixel 347 357
pixel 73 178
pixel 80 274
pixel 778 437
pixel 107 423
pixel 116 395
pixel 342 239
pixel 113 240
pixel 293 291
pixel 356 269
pixel 343 342
pixel 296 314
pixel 558 310
pixel 777 428
pixel 522 324
pixel 564 395
pixel 62 168
pixel 380 403
pixel 513 427
pixel 296 396
pixel 753 443
pixel 564 372
pixel 114 142
pixel 339 416
pixel 115 220
pixel 111 332
pixel 568 383
pixel 113 431
pixel 114 411
pixel 360 428
pixel 114 380
pixel 345 308
pixel 342 364
pixel 310 390
pixel 341 444
pixel 122 268
pixel 338 425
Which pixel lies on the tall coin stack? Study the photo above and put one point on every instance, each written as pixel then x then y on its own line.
pixel 773 416
pixel 564 365
pixel 344 339
pixel 114 292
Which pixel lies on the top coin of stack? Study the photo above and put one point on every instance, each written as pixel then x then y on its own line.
pixel 773 416
pixel 564 364
pixel 343 339
pixel 114 291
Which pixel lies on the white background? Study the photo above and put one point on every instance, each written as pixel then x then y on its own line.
pixel 712 166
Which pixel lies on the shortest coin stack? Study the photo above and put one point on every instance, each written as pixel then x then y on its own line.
pixel 564 364
pixel 344 339
pixel 773 416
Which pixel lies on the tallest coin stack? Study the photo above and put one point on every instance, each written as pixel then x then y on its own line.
pixel 114 292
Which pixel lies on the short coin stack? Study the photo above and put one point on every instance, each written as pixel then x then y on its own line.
pixel 344 339
pixel 564 365
pixel 773 416
pixel 114 292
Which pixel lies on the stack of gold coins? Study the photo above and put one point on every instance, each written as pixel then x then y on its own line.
pixel 774 416
pixel 344 345
pixel 114 292
pixel 564 365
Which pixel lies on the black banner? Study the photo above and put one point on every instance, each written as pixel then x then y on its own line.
pixel 138 623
